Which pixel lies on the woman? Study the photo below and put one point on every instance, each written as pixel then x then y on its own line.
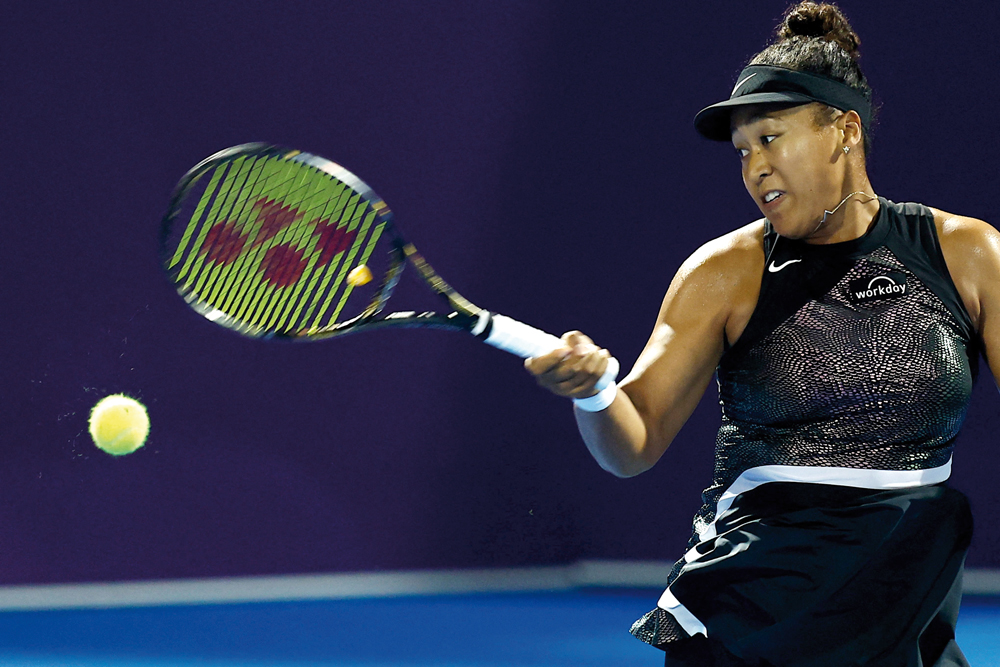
pixel 845 330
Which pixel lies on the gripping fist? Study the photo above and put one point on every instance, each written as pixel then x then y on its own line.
pixel 570 371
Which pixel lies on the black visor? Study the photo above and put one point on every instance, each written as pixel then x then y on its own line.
pixel 764 84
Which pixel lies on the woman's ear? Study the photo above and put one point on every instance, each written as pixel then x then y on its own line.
pixel 851 130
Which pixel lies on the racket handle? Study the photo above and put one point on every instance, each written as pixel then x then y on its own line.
pixel 526 341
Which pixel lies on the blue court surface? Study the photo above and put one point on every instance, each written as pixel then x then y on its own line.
pixel 583 628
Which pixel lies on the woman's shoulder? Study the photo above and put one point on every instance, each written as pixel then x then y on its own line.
pixel 965 241
pixel 724 276
pixel 971 249
pixel 962 230
pixel 740 249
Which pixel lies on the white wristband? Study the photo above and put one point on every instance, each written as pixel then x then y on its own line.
pixel 598 401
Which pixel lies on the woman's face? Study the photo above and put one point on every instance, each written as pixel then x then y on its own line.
pixel 793 168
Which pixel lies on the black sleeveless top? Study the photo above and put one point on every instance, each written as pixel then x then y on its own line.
pixel 852 377
pixel 858 355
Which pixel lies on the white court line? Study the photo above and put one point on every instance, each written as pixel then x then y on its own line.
pixel 231 590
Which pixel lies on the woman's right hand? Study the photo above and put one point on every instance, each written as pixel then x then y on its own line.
pixel 571 371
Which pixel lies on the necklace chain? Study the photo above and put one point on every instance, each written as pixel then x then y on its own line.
pixel 837 207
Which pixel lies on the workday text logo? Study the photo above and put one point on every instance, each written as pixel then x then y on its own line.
pixel 883 286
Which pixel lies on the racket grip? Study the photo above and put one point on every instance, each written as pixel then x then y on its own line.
pixel 526 341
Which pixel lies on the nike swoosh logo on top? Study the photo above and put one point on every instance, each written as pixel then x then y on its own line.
pixel 775 268
pixel 741 83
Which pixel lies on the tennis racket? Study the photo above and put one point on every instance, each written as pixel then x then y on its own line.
pixel 275 243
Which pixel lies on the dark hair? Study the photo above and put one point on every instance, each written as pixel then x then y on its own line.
pixel 817 38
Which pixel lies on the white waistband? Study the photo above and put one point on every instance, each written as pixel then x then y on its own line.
pixel 859 478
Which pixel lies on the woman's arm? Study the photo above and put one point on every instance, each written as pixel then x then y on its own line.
pixel 971 249
pixel 711 297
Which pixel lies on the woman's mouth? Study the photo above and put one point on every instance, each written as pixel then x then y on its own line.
pixel 772 198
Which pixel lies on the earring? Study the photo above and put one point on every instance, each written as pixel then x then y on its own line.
pixel 847 150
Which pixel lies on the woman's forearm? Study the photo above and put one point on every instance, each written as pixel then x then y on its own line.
pixel 617 437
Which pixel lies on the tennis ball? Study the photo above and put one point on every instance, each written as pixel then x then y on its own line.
pixel 359 275
pixel 119 424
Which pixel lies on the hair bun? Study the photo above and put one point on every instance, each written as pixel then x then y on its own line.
pixel 812 19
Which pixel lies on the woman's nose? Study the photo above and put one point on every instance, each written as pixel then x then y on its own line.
pixel 757 165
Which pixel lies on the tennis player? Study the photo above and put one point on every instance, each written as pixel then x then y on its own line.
pixel 845 331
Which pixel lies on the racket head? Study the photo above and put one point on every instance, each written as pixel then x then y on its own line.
pixel 262 239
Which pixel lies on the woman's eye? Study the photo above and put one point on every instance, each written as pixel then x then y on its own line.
pixel 768 138
pixel 742 152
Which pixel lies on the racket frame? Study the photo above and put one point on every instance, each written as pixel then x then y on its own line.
pixel 464 315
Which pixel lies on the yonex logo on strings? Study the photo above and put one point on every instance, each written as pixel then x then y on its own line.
pixel 282 264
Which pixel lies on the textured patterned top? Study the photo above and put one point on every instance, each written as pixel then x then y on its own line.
pixel 858 355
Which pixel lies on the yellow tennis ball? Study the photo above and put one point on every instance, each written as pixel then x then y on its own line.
pixel 119 424
pixel 359 275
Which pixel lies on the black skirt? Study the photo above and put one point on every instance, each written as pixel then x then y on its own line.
pixel 815 575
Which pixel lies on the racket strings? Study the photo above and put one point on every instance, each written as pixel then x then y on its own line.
pixel 269 244
pixel 233 269
pixel 298 272
pixel 283 263
pixel 234 289
pixel 223 226
pixel 287 266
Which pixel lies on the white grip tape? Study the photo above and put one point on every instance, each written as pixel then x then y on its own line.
pixel 520 339
pixel 526 341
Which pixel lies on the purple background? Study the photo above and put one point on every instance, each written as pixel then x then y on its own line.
pixel 540 154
